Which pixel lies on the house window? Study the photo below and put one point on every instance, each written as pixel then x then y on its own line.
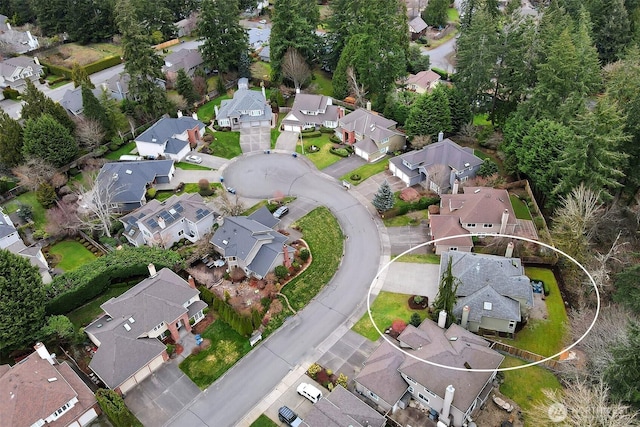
pixel 114 205
pixel 471 226
pixel 410 389
pixel 464 178
pixel 180 233
pixel 487 225
pixel 512 324
pixel 373 396
pixel 424 398
pixel 429 392
pixel 411 380
pixel 453 248
pixel 62 410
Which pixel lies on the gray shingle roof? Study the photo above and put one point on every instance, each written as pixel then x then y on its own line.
pixel 6 225
pixel 341 409
pixel 9 65
pixel 501 307
pixel 133 177
pixel 245 100
pixel 369 124
pixel 311 103
pixel 380 373
pixel 167 128
pixel 264 217
pixel 185 59
pixel 72 100
pixel 417 24
pixel 445 152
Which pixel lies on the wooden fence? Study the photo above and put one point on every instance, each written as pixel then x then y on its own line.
pixel 525 355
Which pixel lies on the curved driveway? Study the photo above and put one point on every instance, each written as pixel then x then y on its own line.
pixel 259 176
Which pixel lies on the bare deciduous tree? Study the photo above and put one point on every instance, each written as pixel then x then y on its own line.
pixel 97 208
pixel 420 141
pixel 231 207
pixel 89 132
pixel 34 172
pixel 62 220
pixel 439 175
pixel 359 91
pixel 295 68
pixel 581 404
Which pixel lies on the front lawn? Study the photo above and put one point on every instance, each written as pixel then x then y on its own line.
pixel 366 171
pixel 70 255
pixel 227 347
pixel 411 218
pixel 323 157
pixel 226 144
pixel 525 385
pixel 191 166
pixel 544 337
pixel 264 421
pixel 29 198
pixel 387 307
pixel 124 150
pixel 321 231
pixel 86 314
pixel 520 208
pixel 418 258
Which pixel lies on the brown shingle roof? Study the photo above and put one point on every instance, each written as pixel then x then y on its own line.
pixel 481 205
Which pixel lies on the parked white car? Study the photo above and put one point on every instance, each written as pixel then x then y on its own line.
pixel 309 391
pixel 193 159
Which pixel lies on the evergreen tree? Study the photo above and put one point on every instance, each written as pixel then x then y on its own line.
pixel 184 85
pixel 225 40
pixel 37 103
pixel 446 297
pixel 156 18
pixel 141 62
pixel 80 77
pixel 53 15
pixel 435 14
pixel 416 61
pixel 430 114
pixel 623 374
pixel 46 195
pixel 92 109
pixel 458 107
pixel 47 139
pixel 10 141
pixel 628 288
pixel 22 301
pixel 91 21
pixel 611 27
pixel 383 199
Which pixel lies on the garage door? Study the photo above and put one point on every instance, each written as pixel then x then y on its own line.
pixel 128 385
pixel 142 374
pixel 156 363
pixel 255 124
pixel 289 128
pixel 245 125
pixel 87 417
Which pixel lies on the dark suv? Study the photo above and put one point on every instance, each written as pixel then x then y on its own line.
pixel 287 415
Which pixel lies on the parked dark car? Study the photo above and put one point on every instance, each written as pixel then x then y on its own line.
pixel 287 415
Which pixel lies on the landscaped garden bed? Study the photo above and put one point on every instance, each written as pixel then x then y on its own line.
pixel 326 377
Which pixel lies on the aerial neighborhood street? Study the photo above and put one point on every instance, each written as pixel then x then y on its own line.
pixel 313 213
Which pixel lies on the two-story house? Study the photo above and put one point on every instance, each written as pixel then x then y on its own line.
pixel 247 108
pixel 128 333
pixel 184 59
pixel 14 40
pixel 493 294
pixel 40 391
pixel 436 166
pixel 312 112
pixel 118 86
pixel 248 243
pixel 165 223
pixel 14 72
pixel 371 135
pixel 479 210
pixel 124 184
pixel 390 378
pixel 170 137
pixel 422 82
pixel 10 240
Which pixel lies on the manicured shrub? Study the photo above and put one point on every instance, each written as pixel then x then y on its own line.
pixel 312 133
pixel 304 254
pixel 335 140
pixel 326 130
pixel 281 272
pixel 355 177
pixel 342 152
pixel 113 406
pixel 151 193
pixel 10 93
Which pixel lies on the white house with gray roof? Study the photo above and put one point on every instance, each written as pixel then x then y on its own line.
pixel 247 243
pixel 170 137
pixel 10 240
pixel 165 223
pixel 14 72
pixel 312 112
pixel 494 293
pixel 127 182
pixel 247 108
pixel 454 395
pixel 16 40
pixel 436 166
pixel 128 334
pixel 371 135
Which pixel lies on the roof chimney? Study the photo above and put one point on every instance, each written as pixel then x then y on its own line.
pixel 152 270
pixel 192 282
pixel 264 93
pixel 456 185
pixel 465 316
pixel 287 258
pixel 446 407
pixel 43 353
pixel 368 105
pixel 442 319
pixel 216 109
pixel 503 221
pixel 509 252
pixel 179 114
pixel 161 223
pixel 194 115
pixel 36 60
pixel 440 136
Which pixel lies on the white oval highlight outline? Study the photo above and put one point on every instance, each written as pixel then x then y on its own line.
pixel 513 368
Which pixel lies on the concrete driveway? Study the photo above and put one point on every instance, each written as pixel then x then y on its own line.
pixel 348 355
pixel 182 175
pixel 408 237
pixel 163 394
pixel 370 186
pixel 412 279
pixel 210 161
pixel 256 138
pixel 297 209
pixel 287 141
pixel 344 166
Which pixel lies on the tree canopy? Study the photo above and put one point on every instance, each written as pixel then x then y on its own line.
pixel 225 40
pixel 47 139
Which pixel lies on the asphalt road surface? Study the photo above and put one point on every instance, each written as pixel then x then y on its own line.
pixel 242 387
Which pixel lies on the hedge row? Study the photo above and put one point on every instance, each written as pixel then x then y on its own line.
pixel 342 152
pixel 57 70
pixel 72 289
pixel 442 73
pixel 311 134
pixel 404 207
pixel 10 93
pixel 239 323
pixel 103 64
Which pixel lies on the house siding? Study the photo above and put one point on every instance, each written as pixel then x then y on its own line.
pixel 446 248
pixel 380 405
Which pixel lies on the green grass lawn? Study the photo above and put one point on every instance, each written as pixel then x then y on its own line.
pixel 264 421
pixel 481 154
pixel 261 70
pixel 28 198
pixel 125 149
pixel 544 337
pixel 411 218
pixel 525 385
pixel 190 187
pixel 84 315
pixel 227 347
pixel 323 157
pixel 321 231
pixel 520 208
pixel 70 255
pixel 419 258
pixel 366 171
pixel 481 119
pixel 387 307
pixel 453 15
pixel 226 144
pixel 191 166
pixel 207 111
pixel 321 83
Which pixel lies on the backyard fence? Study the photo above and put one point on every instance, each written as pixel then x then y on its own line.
pixel 525 355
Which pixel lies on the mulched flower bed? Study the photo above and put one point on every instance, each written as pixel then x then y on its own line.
pixel 421 305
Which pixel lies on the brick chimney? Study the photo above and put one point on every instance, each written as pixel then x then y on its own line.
pixel 287 258
pixel 192 282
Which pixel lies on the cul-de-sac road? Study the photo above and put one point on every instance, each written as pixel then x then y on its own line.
pixel 260 176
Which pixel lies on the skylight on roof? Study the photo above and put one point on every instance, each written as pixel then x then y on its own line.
pixel 488 305
pixel 127 327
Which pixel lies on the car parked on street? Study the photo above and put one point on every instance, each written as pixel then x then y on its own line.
pixel 193 159
pixel 231 190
